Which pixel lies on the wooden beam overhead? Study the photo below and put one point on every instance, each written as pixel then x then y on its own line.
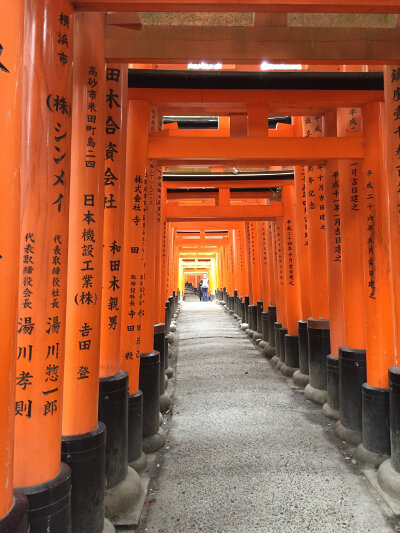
pixel 281 150
pixel 223 213
pixel 268 6
pixel 254 44
pixel 279 103
pixel 233 184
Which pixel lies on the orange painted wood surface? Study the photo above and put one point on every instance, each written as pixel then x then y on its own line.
pixel 11 31
pixel 133 260
pixel 45 179
pixel 380 323
pixel 114 210
pixel 85 250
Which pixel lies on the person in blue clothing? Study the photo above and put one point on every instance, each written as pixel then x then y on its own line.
pixel 204 288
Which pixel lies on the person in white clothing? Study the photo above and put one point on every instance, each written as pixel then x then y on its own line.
pixel 204 288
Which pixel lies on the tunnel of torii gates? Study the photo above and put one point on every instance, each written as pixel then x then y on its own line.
pixel 101 228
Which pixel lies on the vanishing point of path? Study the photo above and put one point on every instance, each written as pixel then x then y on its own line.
pixel 246 452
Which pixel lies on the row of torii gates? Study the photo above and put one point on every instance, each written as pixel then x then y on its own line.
pixel 94 241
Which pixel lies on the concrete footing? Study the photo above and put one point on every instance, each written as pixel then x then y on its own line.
pixel 370 458
pixel 139 465
pixel 170 338
pixel 154 442
pixel 315 395
pixel 287 370
pixel 274 361
pixel 389 480
pixel 165 402
pixel 172 328
pixel 244 326
pixel 330 412
pixel 300 379
pixel 121 499
pixel 257 335
pixel 349 435
pixel 108 527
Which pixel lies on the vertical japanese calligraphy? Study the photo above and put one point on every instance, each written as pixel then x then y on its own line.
pixel 114 186
pixel 85 228
pixel 45 174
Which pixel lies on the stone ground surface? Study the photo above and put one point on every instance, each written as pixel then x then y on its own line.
pixel 246 452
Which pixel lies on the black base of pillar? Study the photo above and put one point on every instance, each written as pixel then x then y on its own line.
pixel 159 346
pixel 260 304
pixel 375 446
pixel 16 520
pixel 136 458
pixel 85 454
pixel 282 333
pixel 113 412
pixel 277 345
pixel 389 471
pixel 318 348
pixel 153 437
pixel 50 504
pixel 291 349
pixel 352 375
pixel 264 326
pixel 270 350
pixel 303 346
pixel 331 407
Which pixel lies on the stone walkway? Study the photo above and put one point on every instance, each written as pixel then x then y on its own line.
pixel 246 452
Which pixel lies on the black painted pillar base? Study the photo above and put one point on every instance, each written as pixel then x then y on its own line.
pixel 389 471
pixel 281 360
pixel 85 454
pixel 352 375
pixel 113 412
pixel 258 328
pixel 50 504
pixel 136 457
pixel 16 520
pixel 301 377
pixel 123 486
pixel 159 346
pixel 249 330
pixel 318 348
pixel 270 349
pixel 331 406
pixel 277 345
pixel 168 369
pixel 291 348
pixel 264 329
pixel 254 333
pixel 153 437
pixel 375 445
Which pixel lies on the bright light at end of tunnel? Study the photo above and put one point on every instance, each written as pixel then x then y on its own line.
pixel 204 66
pixel 278 66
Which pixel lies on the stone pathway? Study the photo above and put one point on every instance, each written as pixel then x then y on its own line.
pixel 246 452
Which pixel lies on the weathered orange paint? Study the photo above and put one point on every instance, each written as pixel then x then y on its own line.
pixel 315 198
pixel 85 249
pixel 280 274
pixel 45 176
pixel 380 324
pixel 133 258
pixel 333 245
pixel 11 31
pixel 351 179
pixel 114 210
pixel 291 267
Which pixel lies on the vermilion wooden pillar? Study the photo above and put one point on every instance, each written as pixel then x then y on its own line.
pixel 380 345
pixel 45 176
pixel 83 445
pixel 269 348
pixel 13 513
pixel 318 323
pixel 352 371
pixel 389 471
pixel 113 386
pixel 138 126
pixel 290 348
pixel 333 252
pixel 280 329
pixel 149 375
